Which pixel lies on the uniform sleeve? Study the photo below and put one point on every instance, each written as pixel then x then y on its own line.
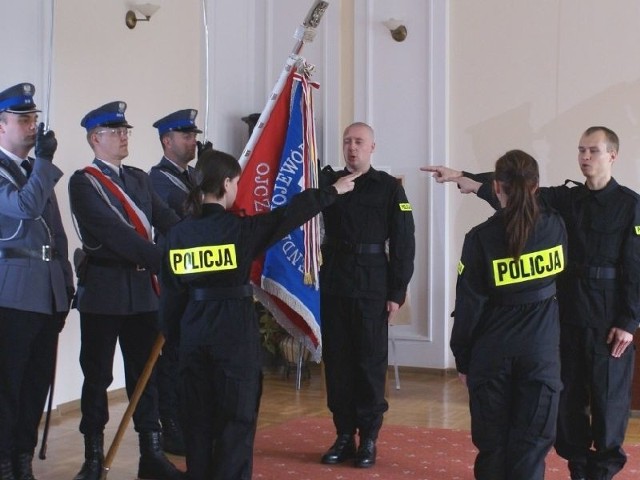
pixel 471 300
pixel 630 311
pixel 485 192
pixel 174 298
pixel 268 228
pixel 402 246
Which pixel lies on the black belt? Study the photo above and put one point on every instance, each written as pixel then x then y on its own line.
pixel 357 248
pixel 114 263
pixel 598 273
pixel 521 298
pixel 221 293
pixel 46 253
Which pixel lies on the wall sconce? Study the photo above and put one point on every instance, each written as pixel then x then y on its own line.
pixel 397 29
pixel 146 9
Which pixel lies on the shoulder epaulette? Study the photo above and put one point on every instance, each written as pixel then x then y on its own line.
pixel 136 169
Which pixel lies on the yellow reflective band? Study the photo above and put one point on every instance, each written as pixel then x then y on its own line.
pixel 637 227
pixel 212 258
pixel 405 207
pixel 530 266
pixel 460 267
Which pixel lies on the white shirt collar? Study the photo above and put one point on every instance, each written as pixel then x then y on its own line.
pixel 18 161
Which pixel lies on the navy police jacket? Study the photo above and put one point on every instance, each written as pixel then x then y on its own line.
pixel 507 307
pixel 117 277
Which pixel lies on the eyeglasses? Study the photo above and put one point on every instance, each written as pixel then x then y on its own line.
pixel 120 131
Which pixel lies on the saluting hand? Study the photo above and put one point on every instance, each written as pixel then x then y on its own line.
pixel 346 184
pixel 46 143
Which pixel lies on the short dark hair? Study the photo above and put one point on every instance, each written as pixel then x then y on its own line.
pixel 613 142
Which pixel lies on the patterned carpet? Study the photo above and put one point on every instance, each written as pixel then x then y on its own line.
pixel 292 451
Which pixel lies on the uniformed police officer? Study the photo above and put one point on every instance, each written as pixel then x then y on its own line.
pixel 115 207
pixel 172 179
pixel 599 305
pixel 36 281
pixel 207 301
pixel 506 335
pixel 361 286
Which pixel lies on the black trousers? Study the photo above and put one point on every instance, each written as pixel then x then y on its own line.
pixel 355 352
pixel 221 394
pixel 168 382
pixel 595 403
pixel 28 344
pixel 514 407
pixel 99 333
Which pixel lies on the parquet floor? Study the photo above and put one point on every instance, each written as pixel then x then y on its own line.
pixel 426 398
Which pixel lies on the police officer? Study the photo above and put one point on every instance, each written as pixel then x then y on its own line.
pixel 505 336
pixel 207 301
pixel 599 305
pixel 172 179
pixel 361 286
pixel 115 207
pixel 35 277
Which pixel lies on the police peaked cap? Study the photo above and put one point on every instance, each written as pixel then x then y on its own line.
pixel 180 121
pixel 108 115
pixel 18 99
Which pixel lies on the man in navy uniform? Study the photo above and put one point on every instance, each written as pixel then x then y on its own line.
pixel 172 179
pixel 36 281
pixel 116 207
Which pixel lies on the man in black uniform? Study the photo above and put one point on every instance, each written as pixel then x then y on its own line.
pixel 35 277
pixel 172 179
pixel 599 305
pixel 361 287
pixel 115 207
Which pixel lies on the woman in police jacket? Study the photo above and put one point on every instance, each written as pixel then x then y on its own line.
pixel 506 332
pixel 206 299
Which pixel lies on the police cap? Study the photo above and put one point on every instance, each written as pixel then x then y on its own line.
pixel 18 99
pixel 180 121
pixel 108 115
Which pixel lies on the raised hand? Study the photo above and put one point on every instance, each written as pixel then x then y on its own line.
pixel 46 143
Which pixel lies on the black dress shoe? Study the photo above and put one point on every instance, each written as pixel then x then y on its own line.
pixel 366 454
pixel 342 449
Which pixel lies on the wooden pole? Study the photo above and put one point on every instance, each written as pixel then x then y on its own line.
pixel 133 403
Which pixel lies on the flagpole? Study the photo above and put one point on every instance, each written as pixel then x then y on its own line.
pixel 305 33
pixel 49 67
pixel 206 70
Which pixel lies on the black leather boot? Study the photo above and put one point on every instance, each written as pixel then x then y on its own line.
pixel 22 466
pixel 172 437
pixel 93 458
pixel 6 469
pixel 154 464
pixel 366 454
pixel 342 449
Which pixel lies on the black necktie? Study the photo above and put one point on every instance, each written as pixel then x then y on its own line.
pixel 27 167
pixel 121 174
pixel 186 178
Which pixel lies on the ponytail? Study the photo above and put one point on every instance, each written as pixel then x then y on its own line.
pixel 212 169
pixel 518 175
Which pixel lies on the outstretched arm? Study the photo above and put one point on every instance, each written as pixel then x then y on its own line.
pixel 445 174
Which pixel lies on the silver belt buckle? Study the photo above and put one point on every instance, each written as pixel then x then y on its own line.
pixel 46 253
pixel 140 269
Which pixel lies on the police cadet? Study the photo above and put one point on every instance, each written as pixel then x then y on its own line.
pixel 35 277
pixel 361 287
pixel 599 299
pixel 207 300
pixel 115 207
pixel 506 334
pixel 172 179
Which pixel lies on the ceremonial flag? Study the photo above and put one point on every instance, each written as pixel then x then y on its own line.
pixel 280 161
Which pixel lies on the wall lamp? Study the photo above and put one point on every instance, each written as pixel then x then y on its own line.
pixel 397 29
pixel 146 9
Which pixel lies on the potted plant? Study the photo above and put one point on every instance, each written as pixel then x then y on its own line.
pixel 271 334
